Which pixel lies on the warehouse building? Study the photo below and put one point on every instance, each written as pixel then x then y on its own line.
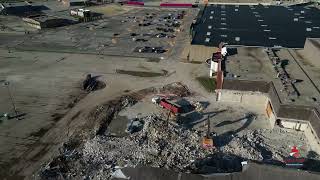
pixel 41 21
pixel 255 26
pixel 21 9
pixel 75 2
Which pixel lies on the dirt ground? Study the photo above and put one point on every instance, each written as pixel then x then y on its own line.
pixel 110 35
pixel 45 72
pixel 46 87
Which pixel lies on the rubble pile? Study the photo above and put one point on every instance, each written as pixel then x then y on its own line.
pixel 158 144
pixel 176 88
pixel 264 144
pixel 166 145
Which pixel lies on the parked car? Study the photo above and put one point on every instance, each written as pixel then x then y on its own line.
pixel 147 34
pixel 158 50
pixel 170 36
pixel 145 49
pixel 160 35
pixel 140 40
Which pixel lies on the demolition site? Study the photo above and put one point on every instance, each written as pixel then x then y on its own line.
pixel 147 90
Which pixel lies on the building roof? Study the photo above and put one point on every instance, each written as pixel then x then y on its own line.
pixel 22 9
pixel 246 85
pixel 252 171
pixel 41 17
pixel 294 112
pixel 256 25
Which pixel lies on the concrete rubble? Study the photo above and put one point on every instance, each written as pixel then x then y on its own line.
pixel 265 145
pixel 158 144
pixel 154 141
pixel 166 145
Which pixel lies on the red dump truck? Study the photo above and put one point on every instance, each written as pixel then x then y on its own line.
pixel 171 106
pixel 175 108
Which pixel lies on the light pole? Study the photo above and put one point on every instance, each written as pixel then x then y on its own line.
pixel 7 84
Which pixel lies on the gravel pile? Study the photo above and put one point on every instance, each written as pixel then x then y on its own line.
pixel 166 145
pixel 158 144
pixel 264 144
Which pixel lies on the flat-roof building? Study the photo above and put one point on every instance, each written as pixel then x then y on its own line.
pixel 21 9
pixel 41 21
pixel 260 26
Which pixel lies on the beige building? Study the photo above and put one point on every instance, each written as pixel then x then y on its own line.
pixel 311 50
pixel 43 21
pixel 264 96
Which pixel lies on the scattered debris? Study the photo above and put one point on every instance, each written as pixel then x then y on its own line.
pixel 289 83
pixel 135 125
pixel 158 144
pixel 263 144
pixel 92 84
pixel 155 142
pixel 198 106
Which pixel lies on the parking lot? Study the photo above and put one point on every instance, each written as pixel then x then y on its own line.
pixel 149 33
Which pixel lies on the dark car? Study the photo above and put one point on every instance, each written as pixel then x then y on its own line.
pixel 145 49
pixel 158 50
pixel 170 36
pixel 141 40
pixel 160 35
pixel 168 30
pixel 147 34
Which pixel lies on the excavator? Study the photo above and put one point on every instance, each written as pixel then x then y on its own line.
pixel 207 141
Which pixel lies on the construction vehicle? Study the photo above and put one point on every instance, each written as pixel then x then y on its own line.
pixel 174 109
pixel 207 141
pixel 82 13
pixel 90 83
pixel 169 105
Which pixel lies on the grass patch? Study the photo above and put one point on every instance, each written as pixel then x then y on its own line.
pixel 140 73
pixel 208 83
pixel 153 59
pixel 195 62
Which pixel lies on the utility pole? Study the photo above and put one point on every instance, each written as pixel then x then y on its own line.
pixel 7 83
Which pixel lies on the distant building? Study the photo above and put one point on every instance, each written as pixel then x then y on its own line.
pixel 43 21
pixel 21 9
pixel 75 2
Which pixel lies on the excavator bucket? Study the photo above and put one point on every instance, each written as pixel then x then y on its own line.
pixel 207 143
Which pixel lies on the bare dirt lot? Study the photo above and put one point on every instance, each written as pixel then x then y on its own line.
pixel 120 32
pixel 41 76
pixel 46 87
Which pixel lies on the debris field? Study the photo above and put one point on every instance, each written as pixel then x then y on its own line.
pixel 166 144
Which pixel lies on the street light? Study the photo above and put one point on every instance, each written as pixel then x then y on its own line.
pixel 7 84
